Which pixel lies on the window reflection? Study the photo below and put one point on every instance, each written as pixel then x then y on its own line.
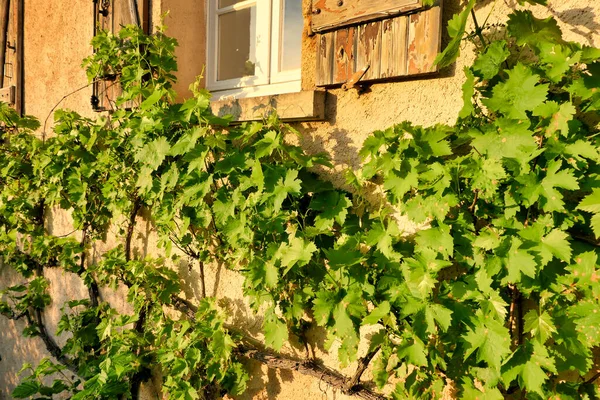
pixel 237 44
pixel 291 35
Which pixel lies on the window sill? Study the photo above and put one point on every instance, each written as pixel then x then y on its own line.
pixel 301 106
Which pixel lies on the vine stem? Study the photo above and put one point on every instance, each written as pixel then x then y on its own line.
pixel 38 321
pixel 251 349
pixel 478 30
pixel 137 205
pixel 363 364
pixel 61 100
pixel 93 290
pixel 202 280
pixel 513 315
pixel 137 378
pixel 51 345
pixel 592 379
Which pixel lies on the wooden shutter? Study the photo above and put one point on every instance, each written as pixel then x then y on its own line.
pixel 354 37
pixel 111 15
pixel 11 52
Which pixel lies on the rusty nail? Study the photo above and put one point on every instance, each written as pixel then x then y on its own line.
pixel 316 11
pixel 340 3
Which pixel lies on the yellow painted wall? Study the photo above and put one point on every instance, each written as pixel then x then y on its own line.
pixel 57 36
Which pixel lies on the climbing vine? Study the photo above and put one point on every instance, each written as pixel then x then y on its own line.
pixel 494 293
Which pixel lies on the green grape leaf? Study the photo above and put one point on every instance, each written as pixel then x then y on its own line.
pixel 400 183
pixel 456 30
pixel 187 142
pixel 296 252
pixel 286 186
pixel 559 116
pixel 490 339
pixel 488 64
pixel 468 90
pixel 556 244
pixel 488 177
pixel 196 158
pixel 470 392
pixel 591 203
pixel 534 377
pixel 413 351
pixel 519 261
pixel 276 332
pixel 585 272
pixel 556 178
pixel 558 59
pixel 586 315
pixel 438 239
pixel 532 31
pixel 153 153
pixel 267 144
pixel 323 306
pixel 154 98
pixel 342 322
pixel 333 207
pixel 582 149
pixel 26 389
pixel 521 92
pixel 378 313
pixel 540 325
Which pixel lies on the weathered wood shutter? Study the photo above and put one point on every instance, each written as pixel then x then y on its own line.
pixel 111 15
pixel 387 38
pixel 11 52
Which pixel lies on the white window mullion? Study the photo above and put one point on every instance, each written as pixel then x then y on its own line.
pixel 263 40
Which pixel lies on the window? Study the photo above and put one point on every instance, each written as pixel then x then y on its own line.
pixel 253 47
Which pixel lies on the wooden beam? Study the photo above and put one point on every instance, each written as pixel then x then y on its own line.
pixel 301 106
pixel 7 95
pixel 333 14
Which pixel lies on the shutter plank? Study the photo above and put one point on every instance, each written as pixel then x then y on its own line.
pixel 394 35
pixel 368 49
pixel 144 15
pixel 332 14
pixel 325 59
pixel 424 40
pixel 344 54
pixel 125 13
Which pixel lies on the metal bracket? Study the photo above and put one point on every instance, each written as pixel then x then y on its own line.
pixel 352 83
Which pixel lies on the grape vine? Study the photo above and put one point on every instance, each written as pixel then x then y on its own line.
pixel 496 295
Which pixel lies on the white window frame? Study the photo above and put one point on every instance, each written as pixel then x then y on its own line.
pixel 268 80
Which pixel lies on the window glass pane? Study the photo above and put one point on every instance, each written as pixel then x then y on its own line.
pixel 291 35
pixel 227 3
pixel 237 44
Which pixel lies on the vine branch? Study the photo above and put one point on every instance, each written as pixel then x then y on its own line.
pixel 363 364
pixel 250 349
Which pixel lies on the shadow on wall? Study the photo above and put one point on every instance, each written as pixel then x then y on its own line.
pixel 581 21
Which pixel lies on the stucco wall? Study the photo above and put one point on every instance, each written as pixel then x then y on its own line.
pixel 57 36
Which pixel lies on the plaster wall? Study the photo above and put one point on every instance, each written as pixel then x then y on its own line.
pixel 57 36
